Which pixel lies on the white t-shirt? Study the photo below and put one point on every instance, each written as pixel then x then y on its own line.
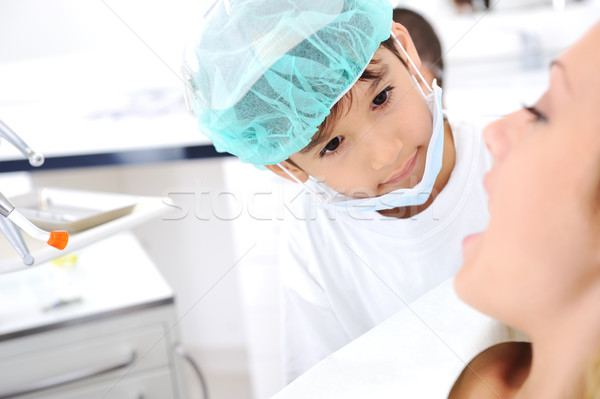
pixel 343 273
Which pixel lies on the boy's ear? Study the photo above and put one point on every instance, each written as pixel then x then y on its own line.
pixel 299 173
pixel 404 37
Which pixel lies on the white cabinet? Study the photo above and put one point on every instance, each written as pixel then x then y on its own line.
pixel 116 342
pixel 154 385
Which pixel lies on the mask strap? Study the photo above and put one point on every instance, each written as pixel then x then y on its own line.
pixel 227 7
pixel 226 4
pixel 188 91
pixel 418 86
pixel 290 174
pixel 413 65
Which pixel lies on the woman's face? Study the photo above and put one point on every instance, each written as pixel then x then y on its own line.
pixel 542 244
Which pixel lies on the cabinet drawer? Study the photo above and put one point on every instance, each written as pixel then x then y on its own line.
pixel 110 357
pixel 148 385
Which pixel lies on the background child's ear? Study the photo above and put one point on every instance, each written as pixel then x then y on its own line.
pixel 404 37
pixel 299 173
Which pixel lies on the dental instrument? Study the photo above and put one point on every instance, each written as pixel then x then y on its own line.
pixel 35 159
pixel 10 218
pixel 16 240
pixel 56 239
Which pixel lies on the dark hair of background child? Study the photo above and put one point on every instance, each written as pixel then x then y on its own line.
pixel 425 39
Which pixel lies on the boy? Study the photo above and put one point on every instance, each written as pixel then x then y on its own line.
pixel 324 94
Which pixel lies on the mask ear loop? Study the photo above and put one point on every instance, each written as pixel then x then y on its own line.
pixel 214 5
pixel 413 66
pixel 418 86
pixel 306 187
pixel 227 7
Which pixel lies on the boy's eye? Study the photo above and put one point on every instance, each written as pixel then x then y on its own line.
pixel 332 145
pixel 381 98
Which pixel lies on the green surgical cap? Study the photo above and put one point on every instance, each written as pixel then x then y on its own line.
pixel 265 73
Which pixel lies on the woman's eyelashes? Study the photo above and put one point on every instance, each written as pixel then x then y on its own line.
pixel 332 146
pixel 539 116
pixel 382 100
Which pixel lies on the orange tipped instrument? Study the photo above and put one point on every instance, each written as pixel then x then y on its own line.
pixel 56 239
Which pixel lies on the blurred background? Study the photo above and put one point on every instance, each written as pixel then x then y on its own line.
pixel 96 87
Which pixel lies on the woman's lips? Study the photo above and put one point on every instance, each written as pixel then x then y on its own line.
pixel 405 171
pixel 470 247
pixel 487 183
pixel 468 240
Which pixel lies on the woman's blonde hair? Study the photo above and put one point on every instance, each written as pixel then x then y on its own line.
pixel 590 388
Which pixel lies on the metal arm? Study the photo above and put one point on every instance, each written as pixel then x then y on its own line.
pixel 8 228
pixel 35 159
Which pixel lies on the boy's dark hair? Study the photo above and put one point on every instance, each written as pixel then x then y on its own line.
pixel 486 3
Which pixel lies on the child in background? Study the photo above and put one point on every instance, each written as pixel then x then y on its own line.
pixel 426 43
pixel 329 95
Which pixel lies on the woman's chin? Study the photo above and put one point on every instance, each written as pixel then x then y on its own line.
pixel 465 280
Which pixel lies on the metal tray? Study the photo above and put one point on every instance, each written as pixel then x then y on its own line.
pixel 72 210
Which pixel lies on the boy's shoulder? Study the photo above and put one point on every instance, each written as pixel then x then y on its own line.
pixel 468 137
pixel 468 127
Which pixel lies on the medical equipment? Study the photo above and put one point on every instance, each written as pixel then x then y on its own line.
pixel 14 237
pixel 72 210
pixel 35 159
pixel 265 73
pixel 10 217
pixel 57 239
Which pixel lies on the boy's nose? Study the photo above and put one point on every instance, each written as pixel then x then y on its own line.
pixel 383 149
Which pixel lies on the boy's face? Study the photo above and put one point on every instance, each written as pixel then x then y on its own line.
pixel 380 142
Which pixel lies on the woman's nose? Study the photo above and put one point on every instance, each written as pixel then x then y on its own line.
pixel 495 140
pixel 503 135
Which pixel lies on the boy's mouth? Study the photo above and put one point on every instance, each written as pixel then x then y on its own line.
pixel 406 170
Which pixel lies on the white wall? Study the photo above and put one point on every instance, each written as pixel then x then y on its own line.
pixel 38 28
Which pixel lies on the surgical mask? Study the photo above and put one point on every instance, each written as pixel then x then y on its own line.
pixel 403 197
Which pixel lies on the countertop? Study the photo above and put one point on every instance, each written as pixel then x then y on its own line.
pixel 111 277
